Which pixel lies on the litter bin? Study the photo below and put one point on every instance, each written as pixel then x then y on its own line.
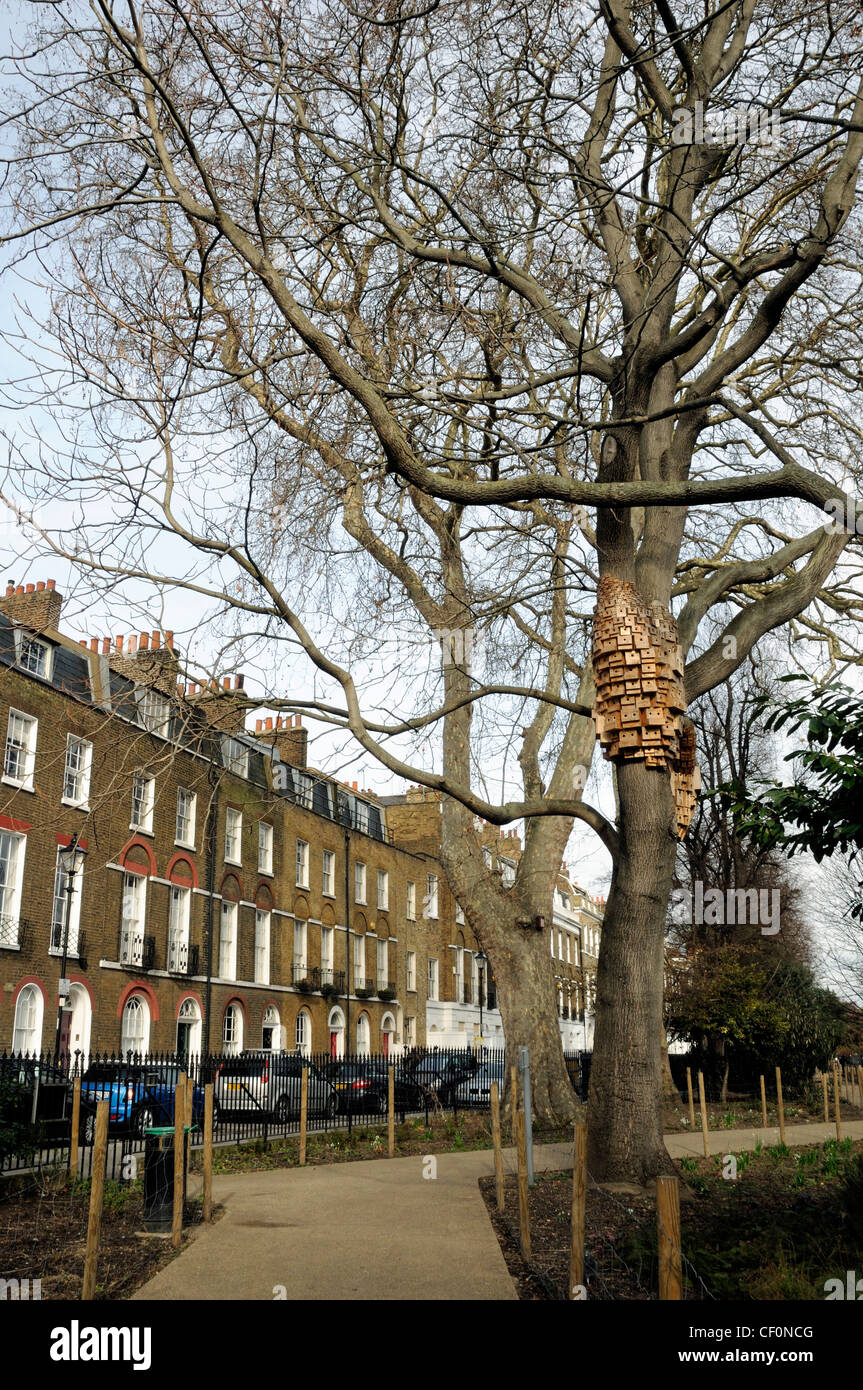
pixel 159 1177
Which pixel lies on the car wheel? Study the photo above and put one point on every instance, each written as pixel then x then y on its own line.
pixel 282 1112
pixel 143 1119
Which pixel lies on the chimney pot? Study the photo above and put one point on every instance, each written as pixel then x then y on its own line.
pixel 169 639
pixel 238 682
pixel 131 645
pixel 40 585
pixel 10 588
pixel 20 589
pixel 51 584
pixel 144 642
pixel 84 643
pixel 181 691
pixel 269 724
pixel 94 644
pixel 106 646
pixel 155 642
pixel 226 682
pixel 31 588
pixel 259 724
pixel 118 643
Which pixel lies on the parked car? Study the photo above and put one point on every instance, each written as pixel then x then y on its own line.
pixel 140 1096
pixel 270 1084
pixel 440 1074
pixel 475 1088
pixel 362 1086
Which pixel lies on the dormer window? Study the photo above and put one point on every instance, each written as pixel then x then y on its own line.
pixel 32 655
pixel 154 712
pixel 235 756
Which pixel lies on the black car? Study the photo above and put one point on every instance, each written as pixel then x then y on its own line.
pixel 362 1086
pixel 440 1074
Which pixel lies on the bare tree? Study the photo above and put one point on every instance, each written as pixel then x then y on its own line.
pixel 440 277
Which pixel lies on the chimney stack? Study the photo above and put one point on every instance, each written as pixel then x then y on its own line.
pixel 36 606
pixel 289 737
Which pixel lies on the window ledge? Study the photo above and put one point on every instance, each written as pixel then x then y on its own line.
pixel 184 844
pixel 142 830
pixel 237 863
pixel 266 873
pixel 75 805
pixel 19 786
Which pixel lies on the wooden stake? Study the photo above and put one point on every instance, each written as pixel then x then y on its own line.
pixel 74 1132
pixel 513 1087
pixel 97 1192
pixel 826 1098
pixel 391 1109
pixel 498 1149
pixel 579 1190
pixel 763 1105
pixel 304 1114
pixel 780 1107
pixel 691 1099
pixel 668 1236
pixel 703 1103
pixel 836 1102
pixel 179 1136
pixel 860 1087
pixel 190 1101
pixel 523 1214
pixel 208 1152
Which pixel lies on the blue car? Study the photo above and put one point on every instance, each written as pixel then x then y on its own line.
pixel 139 1096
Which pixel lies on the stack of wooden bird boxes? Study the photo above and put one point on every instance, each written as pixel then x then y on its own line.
pixel 640 700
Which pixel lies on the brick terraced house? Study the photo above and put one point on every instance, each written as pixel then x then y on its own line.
pixel 226 896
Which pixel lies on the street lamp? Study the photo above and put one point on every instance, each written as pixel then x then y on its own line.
pixel 68 860
pixel 481 962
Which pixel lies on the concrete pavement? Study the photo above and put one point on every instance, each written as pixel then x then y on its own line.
pixel 380 1229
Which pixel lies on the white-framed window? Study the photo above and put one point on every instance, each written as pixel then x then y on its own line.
pixel 143 798
pixel 12 850
pixel 433 978
pixel 265 847
pixel 411 970
pixel 302 864
pixel 410 1032
pixel 29 1012
pixel 327 959
pixel 233 836
pixel 474 980
pixel 364 1036
pixel 459 974
pixel 359 962
pixel 135 1027
pixel 154 711
pixel 235 756
pixel 560 945
pixel 430 902
pixel 568 948
pixel 187 804
pixel 76 771
pixel 304 788
pixel 383 963
pixel 459 915
pixel 32 654
pixel 301 941
pixel 328 874
pixel 59 905
pixel 383 890
pixel 359 883
pixel 178 928
pixel 411 901
pixel 303 1033
pixel 262 946
pixel 20 755
pixel 228 941
pixel 232 1030
pixel 575 950
pixel 133 918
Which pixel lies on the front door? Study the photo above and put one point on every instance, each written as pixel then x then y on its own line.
pixel 65 1032
pixel 184 1038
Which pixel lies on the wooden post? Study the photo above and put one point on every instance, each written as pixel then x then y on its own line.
pixel 391 1108
pixel 513 1086
pixel 304 1114
pixel 860 1087
pixel 523 1214
pixel 75 1130
pixel 780 1107
pixel 763 1105
pixel 97 1192
pixel 668 1237
pixel 836 1102
pixel 495 1138
pixel 703 1103
pixel 826 1098
pixel 579 1190
pixel 179 1146
pixel 208 1152
pixel 691 1098
pixel 190 1100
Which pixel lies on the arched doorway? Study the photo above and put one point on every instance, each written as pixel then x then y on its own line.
pixel 388 1030
pixel 189 1029
pixel 304 1033
pixel 79 1030
pixel 135 1028
pixel 271 1030
pixel 364 1036
pixel 336 1026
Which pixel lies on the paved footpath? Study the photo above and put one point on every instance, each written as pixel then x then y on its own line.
pixel 378 1229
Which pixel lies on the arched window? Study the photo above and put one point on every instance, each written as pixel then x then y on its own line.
pixel 232 1030
pixel 27 1035
pixel 336 1026
pixel 304 1033
pixel 271 1030
pixel 135 1030
pixel 364 1036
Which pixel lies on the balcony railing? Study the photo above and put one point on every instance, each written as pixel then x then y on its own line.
pixel 331 979
pixel 182 957
pixel 12 930
pixel 312 977
pixel 364 988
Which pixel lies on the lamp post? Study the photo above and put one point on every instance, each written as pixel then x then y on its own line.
pixel 68 859
pixel 481 962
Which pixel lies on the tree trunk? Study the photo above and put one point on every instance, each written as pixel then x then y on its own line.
pixel 625 1104
pixel 669 1090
